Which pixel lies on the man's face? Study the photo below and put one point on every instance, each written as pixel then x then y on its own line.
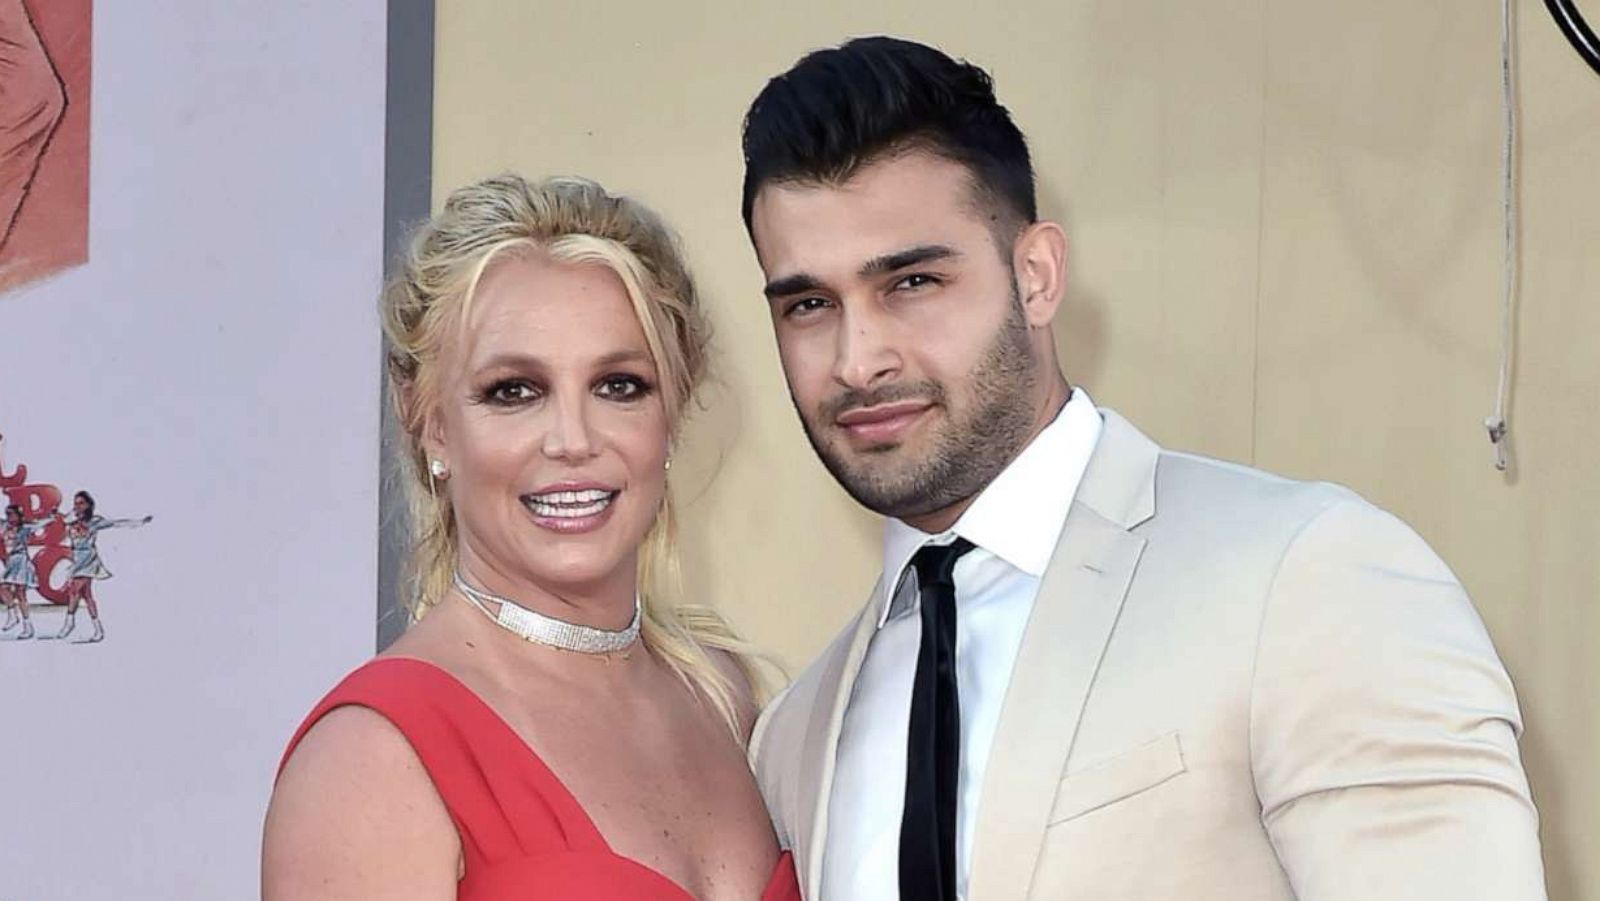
pixel 901 336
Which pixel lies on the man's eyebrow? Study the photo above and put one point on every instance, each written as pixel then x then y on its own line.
pixel 911 256
pixel 881 265
pixel 790 284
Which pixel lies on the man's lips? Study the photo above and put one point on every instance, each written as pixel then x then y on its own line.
pixel 883 423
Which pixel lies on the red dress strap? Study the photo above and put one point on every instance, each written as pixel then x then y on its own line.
pixel 504 801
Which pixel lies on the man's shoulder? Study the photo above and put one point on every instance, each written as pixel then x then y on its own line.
pixel 786 732
pixel 1183 482
pixel 1189 470
pixel 1202 504
pixel 1236 493
pixel 784 720
pixel 1220 503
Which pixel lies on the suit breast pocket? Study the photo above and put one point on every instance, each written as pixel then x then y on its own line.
pixel 1118 778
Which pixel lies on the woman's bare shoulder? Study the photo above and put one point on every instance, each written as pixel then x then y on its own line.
pixel 354 815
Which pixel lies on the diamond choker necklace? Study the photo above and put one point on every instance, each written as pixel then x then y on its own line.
pixel 546 630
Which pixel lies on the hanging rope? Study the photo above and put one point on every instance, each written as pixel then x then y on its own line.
pixel 1499 430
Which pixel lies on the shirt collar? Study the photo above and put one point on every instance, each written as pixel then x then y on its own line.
pixel 1018 517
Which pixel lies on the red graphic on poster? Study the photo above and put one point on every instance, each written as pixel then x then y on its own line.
pixel 33 507
pixel 66 564
pixel 44 137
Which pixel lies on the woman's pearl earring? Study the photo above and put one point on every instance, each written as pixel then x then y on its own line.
pixel 437 469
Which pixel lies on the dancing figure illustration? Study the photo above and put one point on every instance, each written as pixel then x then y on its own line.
pixel 20 573
pixel 83 531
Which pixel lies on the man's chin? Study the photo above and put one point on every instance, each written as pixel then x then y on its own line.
pixel 885 490
pixel 864 455
pixel 878 464
pixel 865 472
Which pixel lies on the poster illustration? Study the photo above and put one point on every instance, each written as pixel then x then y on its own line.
pixel 201 359
pixel 52 556
pixel 44 138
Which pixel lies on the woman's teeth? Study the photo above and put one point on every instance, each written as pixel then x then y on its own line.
pixel 569 504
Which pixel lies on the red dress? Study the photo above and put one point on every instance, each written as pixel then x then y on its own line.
pixel 523 834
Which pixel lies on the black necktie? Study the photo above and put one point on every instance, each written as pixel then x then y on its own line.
pixel 933 749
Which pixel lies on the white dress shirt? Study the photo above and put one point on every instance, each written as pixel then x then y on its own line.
pixel 1014 524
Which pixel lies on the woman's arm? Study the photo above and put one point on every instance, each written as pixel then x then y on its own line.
pixel 32 527
pixel 355 816
pixel 100 523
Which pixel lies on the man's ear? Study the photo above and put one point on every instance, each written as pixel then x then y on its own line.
pixel 1039 258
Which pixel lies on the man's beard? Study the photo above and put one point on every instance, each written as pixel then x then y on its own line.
pixel 975 443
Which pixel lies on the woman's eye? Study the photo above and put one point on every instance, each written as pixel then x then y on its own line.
pixel 622 387
pixel 510 393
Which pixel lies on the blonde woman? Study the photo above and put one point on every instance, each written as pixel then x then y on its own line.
pixel 548 727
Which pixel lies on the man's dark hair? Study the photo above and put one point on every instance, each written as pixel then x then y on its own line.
pixel 839 109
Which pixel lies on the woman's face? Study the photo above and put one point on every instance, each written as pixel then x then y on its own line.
pixel 13 518
pixel 550 419
pixel 80 507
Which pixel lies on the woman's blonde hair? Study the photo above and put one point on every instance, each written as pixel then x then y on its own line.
pixel 572 220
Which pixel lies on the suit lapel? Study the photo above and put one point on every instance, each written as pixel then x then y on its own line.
pixel 1073 617
pixel 822 742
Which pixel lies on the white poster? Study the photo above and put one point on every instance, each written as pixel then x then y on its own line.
pixel 189 337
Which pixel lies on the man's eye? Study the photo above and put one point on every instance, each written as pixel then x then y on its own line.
pixel 622 387
pixel 805 306
pixel 916 280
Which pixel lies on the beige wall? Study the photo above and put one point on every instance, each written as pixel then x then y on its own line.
pixel 1285 221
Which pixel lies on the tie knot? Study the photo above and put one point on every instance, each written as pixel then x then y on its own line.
pixel 937 562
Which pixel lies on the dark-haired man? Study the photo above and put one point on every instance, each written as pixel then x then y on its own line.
pixel 1091 668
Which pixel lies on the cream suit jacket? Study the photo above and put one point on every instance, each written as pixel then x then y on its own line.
pixel 1232 686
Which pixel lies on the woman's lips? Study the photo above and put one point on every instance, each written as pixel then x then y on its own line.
pixel 571 511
